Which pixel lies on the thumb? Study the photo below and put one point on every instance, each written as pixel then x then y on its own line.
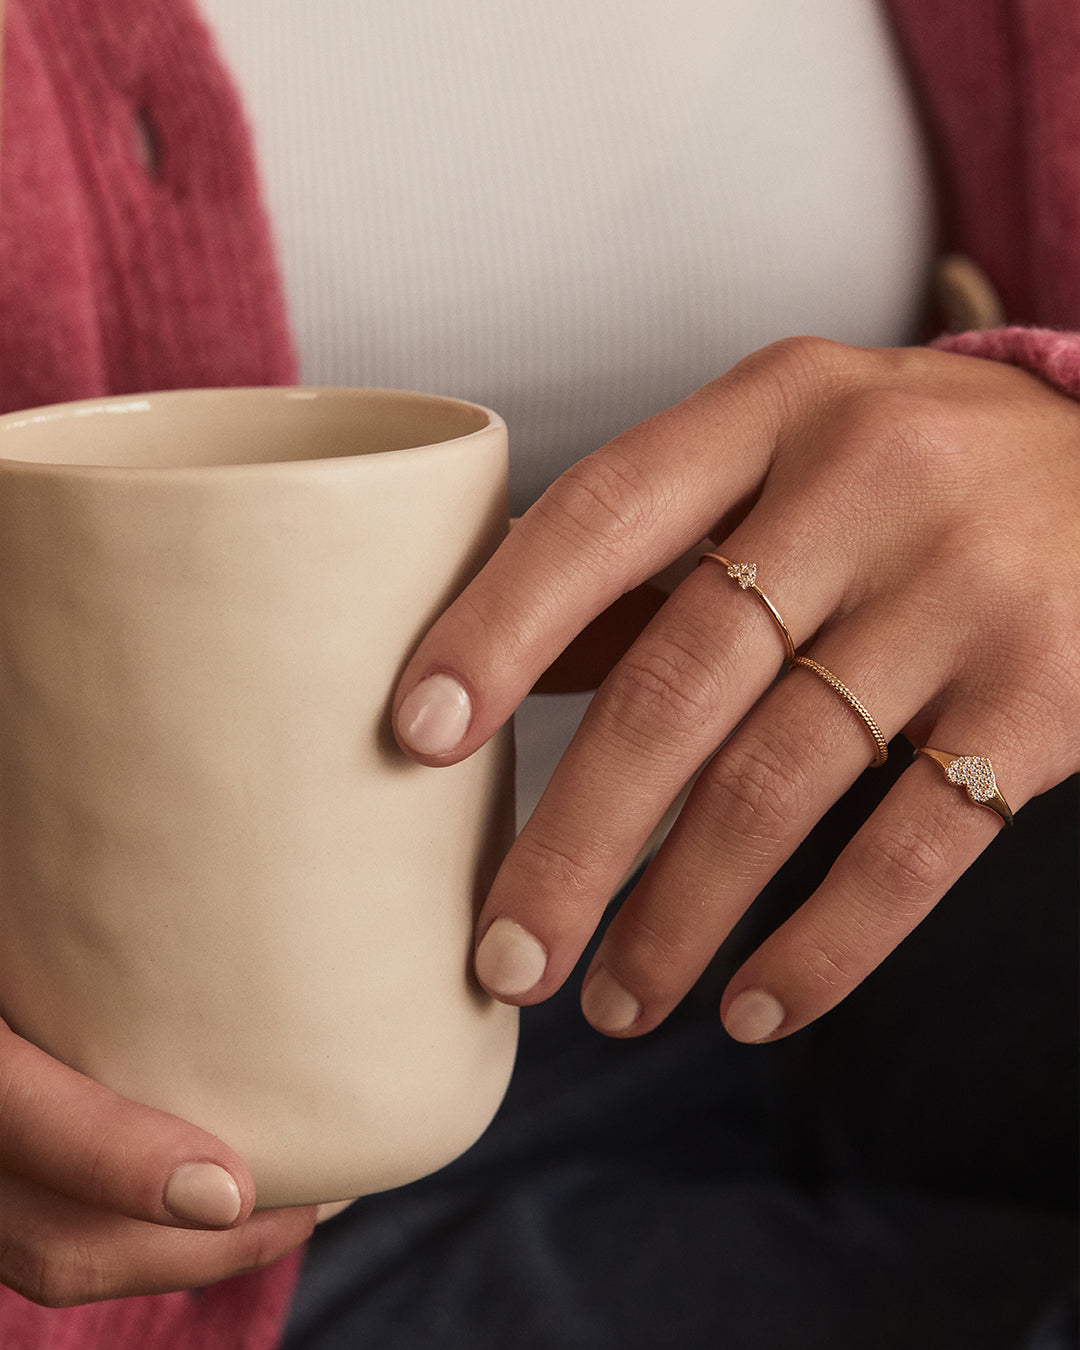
pixel 64 1131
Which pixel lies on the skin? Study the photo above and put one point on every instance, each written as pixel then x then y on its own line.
pixel 915 517
pixel 82 1179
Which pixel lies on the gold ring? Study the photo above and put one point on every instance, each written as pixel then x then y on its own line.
pixel 974 773
pixel 746 575
pixel 845 693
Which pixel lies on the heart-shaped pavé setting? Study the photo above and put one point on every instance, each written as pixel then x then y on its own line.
pixel 976 774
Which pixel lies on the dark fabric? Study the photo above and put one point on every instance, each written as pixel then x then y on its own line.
pixel 901 1175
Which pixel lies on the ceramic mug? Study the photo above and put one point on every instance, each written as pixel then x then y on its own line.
pixel 224 891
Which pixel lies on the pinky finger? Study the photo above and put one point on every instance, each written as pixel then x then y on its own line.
pixel 918 842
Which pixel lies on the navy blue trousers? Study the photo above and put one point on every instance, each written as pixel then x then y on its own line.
pixel 902 1174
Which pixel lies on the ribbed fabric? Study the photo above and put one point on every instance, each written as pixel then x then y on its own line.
pixel 578 212
pixel 115 276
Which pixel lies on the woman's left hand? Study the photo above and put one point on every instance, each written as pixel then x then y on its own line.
pixel 914 517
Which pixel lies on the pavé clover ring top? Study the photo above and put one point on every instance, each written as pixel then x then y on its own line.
pixel 746 575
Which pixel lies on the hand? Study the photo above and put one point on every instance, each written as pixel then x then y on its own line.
pixel 915 517
pixel 101 1197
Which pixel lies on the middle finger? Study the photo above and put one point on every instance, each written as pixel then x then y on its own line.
pixel 688 680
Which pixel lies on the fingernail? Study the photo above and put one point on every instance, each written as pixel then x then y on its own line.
pixel 203 1193
pixel 754 1014
pixel 435 715
pixel 509 960
pixel 607 1004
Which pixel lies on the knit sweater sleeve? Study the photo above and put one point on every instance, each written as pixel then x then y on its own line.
pixel 245 1313
pixel 135 253
pixel 1053 355
pixel 999 87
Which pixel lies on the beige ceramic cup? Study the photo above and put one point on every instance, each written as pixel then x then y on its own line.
pixel 224 891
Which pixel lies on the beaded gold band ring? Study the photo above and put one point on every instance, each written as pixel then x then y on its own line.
pixel 975 774
pixel 746 576
pixel 880 743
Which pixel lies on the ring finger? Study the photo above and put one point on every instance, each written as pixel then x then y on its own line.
pixel 918 842
pixel 789 761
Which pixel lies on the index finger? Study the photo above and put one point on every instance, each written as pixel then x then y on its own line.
pixel 605 526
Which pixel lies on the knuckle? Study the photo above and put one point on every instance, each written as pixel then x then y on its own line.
pixel 794 368
pixel 16 1092
pixel 85 1277
pixel 553 870
pixel 500 623
pixel 263 1249
pixel 99 1174
pixel 902 452
pixel 605 499
pixel 760 786
pixel 876 428
pixel 802 356
pixel 658 949
pixel 890 881
pixel 52 1275
pixel 661 692
pixel 901 871
pixel 831 964
pixel 895 423
pixel 20 1269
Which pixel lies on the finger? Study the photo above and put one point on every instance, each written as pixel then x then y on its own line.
pixel 64 1131
pixel 58 1252
pixel 677 694
pixel 788 762
pixel 917 843
pixel 602 529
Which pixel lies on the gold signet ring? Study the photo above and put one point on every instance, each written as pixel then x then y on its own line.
pixel 975 774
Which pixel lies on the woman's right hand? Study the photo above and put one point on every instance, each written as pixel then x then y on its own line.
pixel 102 1198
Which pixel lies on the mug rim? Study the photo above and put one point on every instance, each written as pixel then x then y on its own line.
pixel 143 402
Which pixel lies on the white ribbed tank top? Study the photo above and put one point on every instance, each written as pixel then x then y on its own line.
pixel 578 211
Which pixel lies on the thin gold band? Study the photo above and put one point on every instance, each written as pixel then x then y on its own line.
pixel 845 693
pixel 975 774
pixel 746 576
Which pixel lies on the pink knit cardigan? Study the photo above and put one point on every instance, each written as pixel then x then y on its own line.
pixel 999 83
pixel 134 254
